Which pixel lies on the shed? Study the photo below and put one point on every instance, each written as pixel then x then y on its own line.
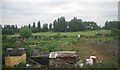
pixel 14 56
pixel 62 58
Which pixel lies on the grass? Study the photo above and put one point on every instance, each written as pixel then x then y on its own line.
pixel 84 52
pixel 86 33
pixel 67 43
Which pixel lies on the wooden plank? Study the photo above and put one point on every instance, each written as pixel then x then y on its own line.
pixel 36 63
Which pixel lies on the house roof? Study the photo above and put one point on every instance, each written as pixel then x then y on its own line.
pixel 62 54
pixel 14 51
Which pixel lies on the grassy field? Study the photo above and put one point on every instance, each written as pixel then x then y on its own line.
pixel 86 33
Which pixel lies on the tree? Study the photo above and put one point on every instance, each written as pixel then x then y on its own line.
pixel 112 25
pixel 33 24
pixel 16 26
pixel 75 25
pixel 10 29
pixel 50 27
pixel 88 25
pixel 55 25
pixel 25 32
pixel 34 29
pixel 29 26
pixel 39 26
pixel 45 28
pixel 60 25
pixel 106 25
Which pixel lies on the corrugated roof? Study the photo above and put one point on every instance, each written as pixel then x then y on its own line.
pixel 14 52
pixel 62 54
pixel 53 55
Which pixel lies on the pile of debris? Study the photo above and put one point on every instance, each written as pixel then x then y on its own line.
pixel 91 60
pixel 62 59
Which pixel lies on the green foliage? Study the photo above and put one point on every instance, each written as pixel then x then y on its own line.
pixel 7 45
pixel 51 48
pixel 112 25
pixel 25 32
pixel 45 28
pixel 58 35
pixel 29 26
pixel 28 51
pixel 7 42
pixel 116 33
pixel 42 47
pixel 10 29
pixel 90 25
pixel 50 27
pixel 4 38
pixel 33 24
pixel 60 25
pixel 86 33
pixel 35 29
pixel 75 25
pixel 39 27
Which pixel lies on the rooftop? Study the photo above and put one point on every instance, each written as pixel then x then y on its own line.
pixel 62 54
pixel 14 51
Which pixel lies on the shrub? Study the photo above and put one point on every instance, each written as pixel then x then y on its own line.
pixel 25 32
pixel 51 48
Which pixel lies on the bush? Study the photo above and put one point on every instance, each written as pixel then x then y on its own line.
pixel 51 48
pixel 25 32
pixel 28 51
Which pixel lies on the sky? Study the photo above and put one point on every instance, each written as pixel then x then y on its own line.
pixel 24 12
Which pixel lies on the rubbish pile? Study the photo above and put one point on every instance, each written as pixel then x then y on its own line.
pixel 91 60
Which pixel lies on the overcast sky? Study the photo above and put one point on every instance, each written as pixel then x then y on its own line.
pixel 26 12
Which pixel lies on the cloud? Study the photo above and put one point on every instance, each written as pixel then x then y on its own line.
pixel 0 13
pixel 60 1
pixel 24 13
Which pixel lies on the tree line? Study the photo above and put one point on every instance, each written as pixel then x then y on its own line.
pixel 61 25
pixel 9 29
